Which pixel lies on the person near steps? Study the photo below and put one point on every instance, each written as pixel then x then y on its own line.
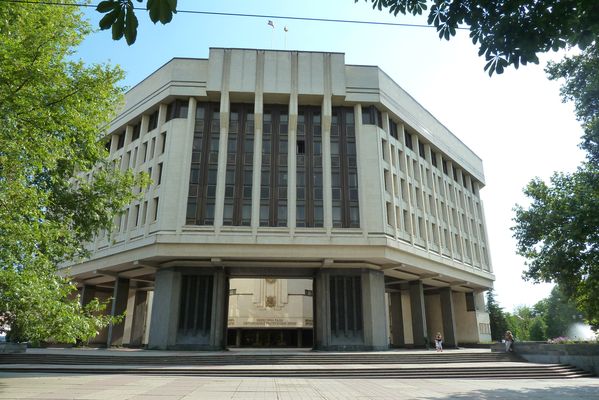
pixel 509 340
pixel 439 342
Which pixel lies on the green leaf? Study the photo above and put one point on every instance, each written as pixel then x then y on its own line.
pixel 131 27
pixel 106 5
pixel 118 27
pixel 108 20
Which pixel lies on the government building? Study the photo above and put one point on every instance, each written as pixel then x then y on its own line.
pixel 297 201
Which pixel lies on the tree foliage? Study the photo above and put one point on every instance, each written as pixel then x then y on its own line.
pixel 560 314
pixel 508 32
pixel 52 198
pixel 558 233
pixel 120 16
pixel 581 86
pixel 496 317
pixel 538 329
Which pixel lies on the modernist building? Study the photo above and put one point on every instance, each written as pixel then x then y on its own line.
pixel 286 165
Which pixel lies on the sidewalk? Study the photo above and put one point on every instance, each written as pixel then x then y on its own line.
pixel 137 387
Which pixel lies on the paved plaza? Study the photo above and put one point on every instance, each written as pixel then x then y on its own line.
pixel 120 387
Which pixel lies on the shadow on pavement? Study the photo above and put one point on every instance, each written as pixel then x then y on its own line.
pixel 570 390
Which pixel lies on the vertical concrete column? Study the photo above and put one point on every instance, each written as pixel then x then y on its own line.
pixel 423 199
pixel 139 317
pixel 257 166
pixel 222 143
pixel 184 158
pixel 327 112
pixel 88 292
pixel 322 317
pixel 165 309
pixel 220 293
pixel 120 296
pixel 418 312
pixel 403 160
pixel 397 336
pixel 392 172
pixel 292 145
pixel 374 310
pixel 449 329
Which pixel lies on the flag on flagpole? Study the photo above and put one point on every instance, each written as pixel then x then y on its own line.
pixel 271 23
pixel 285 29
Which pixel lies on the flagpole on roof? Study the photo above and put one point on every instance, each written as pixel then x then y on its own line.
pixel 272 25
pixel 285 36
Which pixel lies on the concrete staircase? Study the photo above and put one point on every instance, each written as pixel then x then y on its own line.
pixel 379 365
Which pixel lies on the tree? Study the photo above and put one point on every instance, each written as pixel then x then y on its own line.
pixel 520 322
pixel 561 313
pixel 538 329
pixel 508 32
pixel 56 189
pixel 559 232
pixel 496 317
pixel 581 76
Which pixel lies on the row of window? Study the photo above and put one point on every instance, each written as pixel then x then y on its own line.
pixel 434 222
pixel 176 109
pixel 371 115
pixel 273 194
pixel 136 216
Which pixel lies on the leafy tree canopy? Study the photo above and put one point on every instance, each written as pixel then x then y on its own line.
pixel 560 314
pixel 580 74
pixel 496 317
pixel 508 32
pixel 56 189
pixel 558 233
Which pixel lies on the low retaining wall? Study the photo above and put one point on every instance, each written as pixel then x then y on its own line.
pixel 8 347
pixel 584 356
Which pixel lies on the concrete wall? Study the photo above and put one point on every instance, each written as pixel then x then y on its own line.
pixel 434 318
pixel 584 356
pixel 407 318
pixel 466 323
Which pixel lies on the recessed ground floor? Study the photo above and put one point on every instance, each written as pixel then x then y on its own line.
pixel 185 307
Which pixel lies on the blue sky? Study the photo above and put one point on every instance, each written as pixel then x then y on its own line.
pixel 515 122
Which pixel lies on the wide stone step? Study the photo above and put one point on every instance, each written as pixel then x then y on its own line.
pixel 255 359
pixel 511 372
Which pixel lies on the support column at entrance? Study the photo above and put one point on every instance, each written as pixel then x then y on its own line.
pixel 449 329
pixel 119 306
pixel 350 310
pixel 397 335
pixel 139 317
pixel 418 312
pixel 374 310
pixel 189 309
pixel 88 293
pixel 165 309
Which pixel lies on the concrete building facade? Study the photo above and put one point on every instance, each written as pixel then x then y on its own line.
pixel 291 165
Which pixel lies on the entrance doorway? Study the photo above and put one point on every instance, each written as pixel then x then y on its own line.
pixel 270 312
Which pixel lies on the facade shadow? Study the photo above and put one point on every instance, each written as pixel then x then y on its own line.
pixel 573 391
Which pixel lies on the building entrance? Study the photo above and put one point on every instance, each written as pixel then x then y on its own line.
pixel 270 312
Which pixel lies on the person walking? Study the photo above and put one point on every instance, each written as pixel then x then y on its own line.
pixel 439 342
pixel 509 340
